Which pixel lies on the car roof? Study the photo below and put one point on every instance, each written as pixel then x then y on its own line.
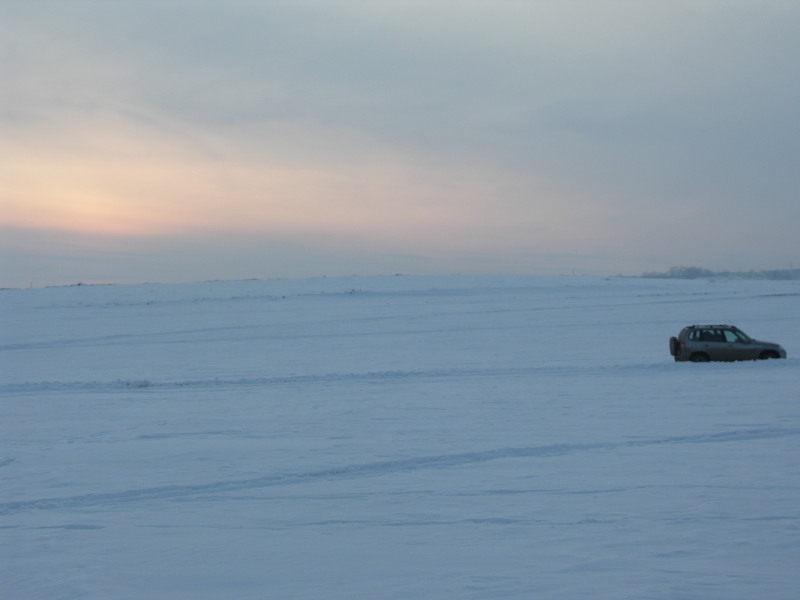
pixel 710 326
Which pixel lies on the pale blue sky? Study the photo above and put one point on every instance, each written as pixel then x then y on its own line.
pixel 189 140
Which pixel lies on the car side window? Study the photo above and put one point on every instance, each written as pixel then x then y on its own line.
pixel 738 337
pixel 732 336
pixel 706 335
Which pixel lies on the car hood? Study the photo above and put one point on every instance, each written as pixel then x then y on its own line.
pixel 770 345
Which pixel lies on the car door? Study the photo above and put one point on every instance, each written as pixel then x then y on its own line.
pixel 708 341
pixel 716 345
pixel 725 345
pixel 739 346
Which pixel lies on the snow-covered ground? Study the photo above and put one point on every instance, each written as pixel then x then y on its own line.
pixel 395 438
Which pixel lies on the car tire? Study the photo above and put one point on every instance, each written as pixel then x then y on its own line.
pixel 673 346
pixel 767 354
pixel 700 357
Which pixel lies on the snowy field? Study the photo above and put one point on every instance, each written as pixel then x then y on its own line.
pixel 397 438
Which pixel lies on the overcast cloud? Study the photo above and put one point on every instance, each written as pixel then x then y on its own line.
pixel 184 140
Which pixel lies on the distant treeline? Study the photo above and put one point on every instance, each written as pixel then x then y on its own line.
pixel 699 273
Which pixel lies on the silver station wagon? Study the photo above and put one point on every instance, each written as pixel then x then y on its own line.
pixel 702 343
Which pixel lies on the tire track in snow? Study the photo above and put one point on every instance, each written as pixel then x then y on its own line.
pixel 13 389
pixel 142 384
pixel 364 470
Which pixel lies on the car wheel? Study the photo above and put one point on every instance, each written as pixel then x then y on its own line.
pixel 700 357
pixel 673 346
pixel 767 354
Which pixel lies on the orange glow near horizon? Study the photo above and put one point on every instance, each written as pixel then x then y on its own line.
pixel 125 198
pixel 178 199
pixel 76 199
pixel 134 183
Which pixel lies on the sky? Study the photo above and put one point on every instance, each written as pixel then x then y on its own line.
pixel 195 140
